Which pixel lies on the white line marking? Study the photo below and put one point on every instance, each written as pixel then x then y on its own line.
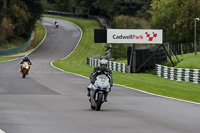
pixel 1 131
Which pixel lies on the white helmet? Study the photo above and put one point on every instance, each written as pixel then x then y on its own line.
pixel 104 62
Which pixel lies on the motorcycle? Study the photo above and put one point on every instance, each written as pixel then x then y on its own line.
pixel 25 69
pixel 98 91
pixel 56 25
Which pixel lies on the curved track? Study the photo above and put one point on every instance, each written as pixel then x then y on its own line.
pixel 51 101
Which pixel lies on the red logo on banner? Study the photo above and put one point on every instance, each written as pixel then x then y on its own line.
pixel 151 37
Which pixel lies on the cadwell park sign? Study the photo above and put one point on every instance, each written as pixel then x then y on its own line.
pixel 134 36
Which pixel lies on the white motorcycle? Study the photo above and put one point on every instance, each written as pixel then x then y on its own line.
pixel 56 24
pixel 99 91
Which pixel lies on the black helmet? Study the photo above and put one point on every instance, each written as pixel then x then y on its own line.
pixel 26 57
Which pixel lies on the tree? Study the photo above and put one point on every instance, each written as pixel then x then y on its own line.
pixel 35 8
pixel 126 22
pixel 1 10
pixel 176 18
pixel 18 17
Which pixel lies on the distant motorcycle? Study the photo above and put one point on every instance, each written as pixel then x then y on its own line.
pixel 25 69
pixel 56 24
pixel 98 91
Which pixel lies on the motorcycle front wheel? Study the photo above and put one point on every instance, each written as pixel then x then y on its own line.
pixel 99 101
pixel 24 73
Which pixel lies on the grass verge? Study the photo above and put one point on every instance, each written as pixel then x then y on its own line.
pixel 189 60
pixel 76 63
pixel 39 35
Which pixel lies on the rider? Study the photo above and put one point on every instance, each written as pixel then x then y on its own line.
pixel 103 68
pixel 26 59
pixel 56 23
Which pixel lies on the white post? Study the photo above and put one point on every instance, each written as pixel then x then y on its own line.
pixel 195 43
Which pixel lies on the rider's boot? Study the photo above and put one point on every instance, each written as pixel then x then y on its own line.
pixel 88 92
pixel 89 88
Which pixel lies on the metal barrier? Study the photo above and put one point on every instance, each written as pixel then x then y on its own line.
pixel 178 74
pixel 121 67
pixel 17 49
pixel 101 20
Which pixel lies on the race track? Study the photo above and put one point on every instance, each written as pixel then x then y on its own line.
pixel 51 101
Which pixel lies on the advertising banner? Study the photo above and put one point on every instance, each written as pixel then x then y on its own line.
pixel 144 36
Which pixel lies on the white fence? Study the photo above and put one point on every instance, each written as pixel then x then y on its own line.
pixel 121 67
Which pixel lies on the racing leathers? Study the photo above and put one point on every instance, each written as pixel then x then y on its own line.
pixel 26 59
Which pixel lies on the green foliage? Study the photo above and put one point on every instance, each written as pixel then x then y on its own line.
pixel 58 5
pixel 6 29
pixel 176 18
pixel 112 8
pixel 1 10
pixel 129 22
pixel 126 22
pixel 119 51
pixel 18 18
pixel 35 8
pixel 128 7
pixel 39 35
pixel 18 14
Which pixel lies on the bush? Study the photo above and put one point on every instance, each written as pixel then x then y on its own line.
pixel 126 22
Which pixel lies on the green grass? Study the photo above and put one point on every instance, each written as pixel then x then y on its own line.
pixel 189 61
pixel 12 43
pixel 5 58
pixel 76 63
pixel 39 35
pixel 119 60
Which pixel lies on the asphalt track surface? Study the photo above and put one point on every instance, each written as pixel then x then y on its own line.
pixel 51 101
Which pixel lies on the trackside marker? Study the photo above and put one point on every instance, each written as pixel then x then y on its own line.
pixel 1 131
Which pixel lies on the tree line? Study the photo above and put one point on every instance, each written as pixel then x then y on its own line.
pixel 175 17
pixel 18 17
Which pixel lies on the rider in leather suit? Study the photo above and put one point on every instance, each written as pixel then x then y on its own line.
pixel 103 70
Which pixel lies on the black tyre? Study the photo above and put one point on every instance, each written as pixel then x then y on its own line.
pixel 24 73
pixel 99 101
pixel 92 107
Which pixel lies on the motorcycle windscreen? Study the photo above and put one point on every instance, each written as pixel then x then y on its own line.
pixel 103 78
pixel 26 64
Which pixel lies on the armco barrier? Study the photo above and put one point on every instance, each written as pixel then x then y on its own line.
pixel 178 74
pixel 121 67
pixel 17 49
pixel 101 20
